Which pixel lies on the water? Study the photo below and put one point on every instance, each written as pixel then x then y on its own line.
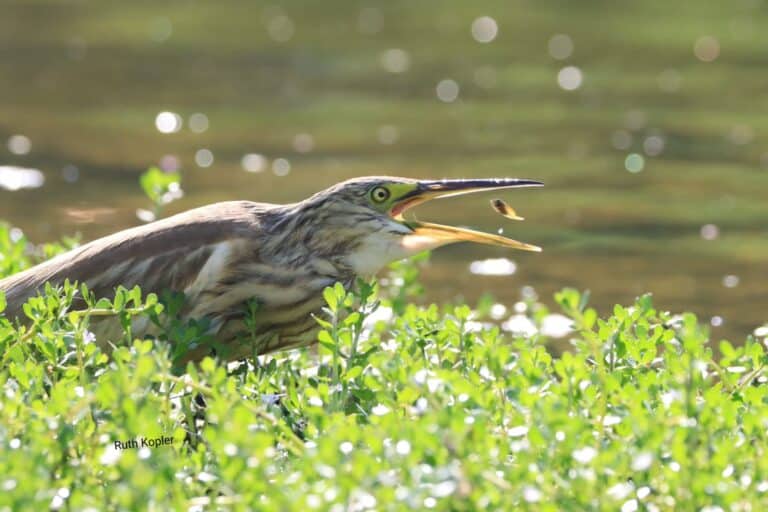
pixel 645 121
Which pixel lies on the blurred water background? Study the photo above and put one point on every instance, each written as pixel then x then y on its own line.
pixel 646 120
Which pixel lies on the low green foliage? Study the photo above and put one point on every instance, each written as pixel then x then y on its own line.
pixel 161 188
pixel 424 408
pixel 17 253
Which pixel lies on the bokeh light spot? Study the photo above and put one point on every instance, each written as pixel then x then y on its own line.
pixel 634 162
pixel 498 311
pixel 19 144
pixel 570 78
pixel 303 143
pixel 253 162
pixel 168 122
pixel 653 145
pixel 706 48
pixel 447 90
pixel 198 122
pixel 520 325
pixel 484 29
pixel 170 163
pixel 710 232
pixel 560 46
pixel 70 173
pixel 556 325
pixel 395 60
pixel 281 167
pixel 204 157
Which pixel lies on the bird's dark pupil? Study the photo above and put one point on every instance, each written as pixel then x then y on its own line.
pixel 380 194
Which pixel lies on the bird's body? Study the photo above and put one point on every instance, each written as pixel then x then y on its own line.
pixel 278 257
pixel 218 256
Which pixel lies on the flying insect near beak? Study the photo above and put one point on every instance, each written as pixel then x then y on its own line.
pixel 427 234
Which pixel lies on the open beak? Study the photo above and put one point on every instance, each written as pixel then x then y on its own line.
pixel 427 234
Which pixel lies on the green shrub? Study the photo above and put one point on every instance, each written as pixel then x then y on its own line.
pixel 422 410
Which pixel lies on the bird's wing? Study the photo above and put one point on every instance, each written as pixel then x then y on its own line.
pixel 168 254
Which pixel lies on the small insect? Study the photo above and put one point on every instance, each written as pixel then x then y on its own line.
pixel 504 209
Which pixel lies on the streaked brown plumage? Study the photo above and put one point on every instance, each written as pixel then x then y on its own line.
pixel 280 256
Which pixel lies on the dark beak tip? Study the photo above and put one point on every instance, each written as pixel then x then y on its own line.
pixel 531 182
pixel 480 183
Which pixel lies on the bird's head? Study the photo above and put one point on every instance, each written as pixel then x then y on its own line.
pixel 363 218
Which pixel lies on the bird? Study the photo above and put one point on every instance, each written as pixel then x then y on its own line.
pixel 278 257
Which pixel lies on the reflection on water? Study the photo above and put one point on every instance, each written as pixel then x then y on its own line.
pixel 14 178
pixel 644 121
pixel 493 267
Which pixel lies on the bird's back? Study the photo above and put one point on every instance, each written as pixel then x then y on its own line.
pixel 168 253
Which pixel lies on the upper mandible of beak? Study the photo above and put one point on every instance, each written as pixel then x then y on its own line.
pixel 436 189
pixel 448 188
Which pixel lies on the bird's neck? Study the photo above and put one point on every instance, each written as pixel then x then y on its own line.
pixel 304 235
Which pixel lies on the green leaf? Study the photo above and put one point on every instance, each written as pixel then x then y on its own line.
pixel 119 300
pixel 135 295
pixel 353 318
pixel 353 373
pixel 339 290
pixel 103 303
pixel 155 183
pixel 326 340
pixel 329 295
pixel 208 365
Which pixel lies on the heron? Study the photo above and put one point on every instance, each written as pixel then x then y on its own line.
pixel 278 257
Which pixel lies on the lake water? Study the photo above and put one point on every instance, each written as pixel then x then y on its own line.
pixel 646 120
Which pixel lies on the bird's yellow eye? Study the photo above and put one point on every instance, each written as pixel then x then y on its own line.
pixel 380 194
